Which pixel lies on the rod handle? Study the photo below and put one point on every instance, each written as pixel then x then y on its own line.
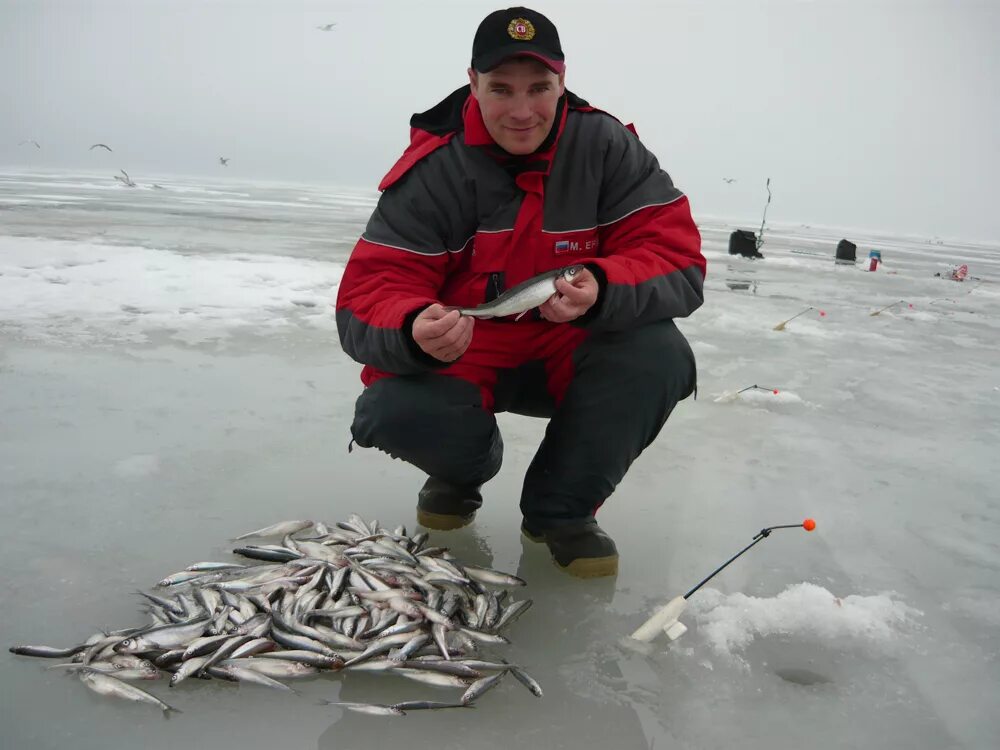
pixel 662 619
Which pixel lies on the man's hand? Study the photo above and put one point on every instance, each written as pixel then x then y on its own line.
pixel 572 298
pixel 442 334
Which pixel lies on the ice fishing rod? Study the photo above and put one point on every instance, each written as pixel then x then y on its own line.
pixel 759 388
pixel 665 618
pixel 782 324
pixel 887 307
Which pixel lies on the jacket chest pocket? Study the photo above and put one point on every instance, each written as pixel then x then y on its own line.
pixel 490 252
pixel 488 260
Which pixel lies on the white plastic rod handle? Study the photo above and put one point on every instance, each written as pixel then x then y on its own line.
pixel 662 619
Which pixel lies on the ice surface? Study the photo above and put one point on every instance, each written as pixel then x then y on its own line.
pixel 170 376
pixel 51 290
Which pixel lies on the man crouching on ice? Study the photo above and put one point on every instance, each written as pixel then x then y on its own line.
pixel 507 178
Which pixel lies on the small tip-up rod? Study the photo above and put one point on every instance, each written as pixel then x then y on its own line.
pixel 809 524
pixel 665 619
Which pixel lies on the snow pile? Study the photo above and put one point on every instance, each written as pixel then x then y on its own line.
pixel 730 623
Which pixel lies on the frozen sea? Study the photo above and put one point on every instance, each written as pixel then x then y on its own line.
pixel 170 376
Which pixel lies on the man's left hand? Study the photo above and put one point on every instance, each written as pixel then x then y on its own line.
pixel 572 298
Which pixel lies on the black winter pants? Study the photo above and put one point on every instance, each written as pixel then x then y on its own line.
pixel 622 387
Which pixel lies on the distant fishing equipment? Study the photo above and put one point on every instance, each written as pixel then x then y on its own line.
pixel 874 258
pixel 888 307
pixel 666 619
pixel 760 236
pixel 782 324
pixel 743 242
pixel 846 252
pixel 759 388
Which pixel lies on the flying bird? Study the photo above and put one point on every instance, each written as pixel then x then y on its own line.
pixel 327 27
pixel 34 142
pixel 224 161
pixel 126 180
pixel 729 180
pixel 99 145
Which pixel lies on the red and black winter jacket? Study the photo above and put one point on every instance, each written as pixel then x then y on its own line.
pixel 459 221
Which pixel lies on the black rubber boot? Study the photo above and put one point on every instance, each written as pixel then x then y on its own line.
pixel 443 506
pixel 581 549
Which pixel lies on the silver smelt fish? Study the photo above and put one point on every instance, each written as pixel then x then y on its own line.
pixel 295 641
pixel 526 679
pixel 481 637
pixel 337 614
pixel 278 529
pixel 492 577
pixel 521 298
pixel 254 647
pixel 411 647
pixel 276 668
pixel 477 688
pixel 120 671
pixel 438 632
pixel 105 684
pixel 511 613
pixel 128 661
pixel 373 709
pixel 208 566
pixel 306 657
pixel 46 652
pixel 185 576
pixel 241 674
pixel 486 666
pixel 445 667
pixel 438 679
pixel 163 639
pixel 373 665
pixel 188 668
pixel 203 645
pixel 427 705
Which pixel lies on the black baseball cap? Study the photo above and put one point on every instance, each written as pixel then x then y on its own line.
pixel 516 32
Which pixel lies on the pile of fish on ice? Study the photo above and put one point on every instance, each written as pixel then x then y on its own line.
pixel 355 597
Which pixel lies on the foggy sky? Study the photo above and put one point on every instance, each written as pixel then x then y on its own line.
pixel 865 113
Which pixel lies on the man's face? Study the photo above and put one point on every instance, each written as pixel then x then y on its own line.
pixel 518 101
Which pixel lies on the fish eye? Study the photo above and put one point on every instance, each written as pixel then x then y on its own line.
pixel 126 643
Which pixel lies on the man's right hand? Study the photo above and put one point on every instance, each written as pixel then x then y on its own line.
pixel 442 334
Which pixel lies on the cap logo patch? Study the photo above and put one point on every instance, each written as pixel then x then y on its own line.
pixel 521 29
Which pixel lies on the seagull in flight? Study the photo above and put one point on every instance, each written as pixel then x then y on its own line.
pixel 327 27
pixel 99 145
pixel 126 180
pixel 729 180
pixel 224 161
pixel 34 142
